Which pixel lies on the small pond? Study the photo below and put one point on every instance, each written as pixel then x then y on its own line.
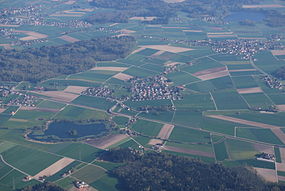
pixel 69 130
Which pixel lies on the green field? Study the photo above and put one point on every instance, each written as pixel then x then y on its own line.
pixel 240 150
pixel 147 127
pixel 89 173
pixel 262 135
pixel 96 102
pixel 221 151
pixel 224 100
pixel 39 160
pixel 79 151
pixel 77 113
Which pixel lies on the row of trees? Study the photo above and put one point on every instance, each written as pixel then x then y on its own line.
pixel 164 172
pixel 35 64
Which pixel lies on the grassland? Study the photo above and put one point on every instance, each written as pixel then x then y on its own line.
pixel 76 113
pixel 147 127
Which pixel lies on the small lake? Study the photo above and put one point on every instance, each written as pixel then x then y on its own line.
pixel 245 15
pixel 69 130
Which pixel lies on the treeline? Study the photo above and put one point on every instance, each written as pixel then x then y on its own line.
pixel 162 10
pixel 42 187
pixel 279 73
pixel 164 172
pixel 35 64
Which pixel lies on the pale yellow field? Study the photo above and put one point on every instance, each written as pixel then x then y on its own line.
pixel 174 1
pixel 58 95
pixel 137 50
pixel 31 35
pixel 2 25
pixel 165 131
pixel 281 107
pixel 108 141
pixel 75 89
pixel 268 174
pixel 168 48
pixel 69 38
pixel 158 53
pixel 214 75
pixel 155 141
pixel 262 6
pixel 6 46
pixel 220 35
pixel 243 70
pixel 122 76
pixel 192 31
pixel 249 90
pixel 143 18
pixel 278 52
pixel 18 120
pixel 244 122
pixel 116 69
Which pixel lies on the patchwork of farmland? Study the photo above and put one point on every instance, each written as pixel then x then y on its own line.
pixel 223 109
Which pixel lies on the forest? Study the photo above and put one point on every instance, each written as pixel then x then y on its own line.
pixel 162 10
pixel 165 172
pixel 35 64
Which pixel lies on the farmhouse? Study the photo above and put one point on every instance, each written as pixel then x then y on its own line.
pixel 266 157
pixel 81 184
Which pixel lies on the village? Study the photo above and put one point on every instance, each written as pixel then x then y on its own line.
pixel 154 88
pixel 240 47
pixel 13 98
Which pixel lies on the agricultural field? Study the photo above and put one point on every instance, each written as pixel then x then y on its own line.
pixel 195 86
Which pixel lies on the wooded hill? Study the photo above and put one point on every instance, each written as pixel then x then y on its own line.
pixel 35 64
pixel 164 172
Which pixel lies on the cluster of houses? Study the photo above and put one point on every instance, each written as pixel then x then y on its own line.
pixel 154 88
pixel 98 92
pixel 273 82
pixel 246 48
pixel 11 98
